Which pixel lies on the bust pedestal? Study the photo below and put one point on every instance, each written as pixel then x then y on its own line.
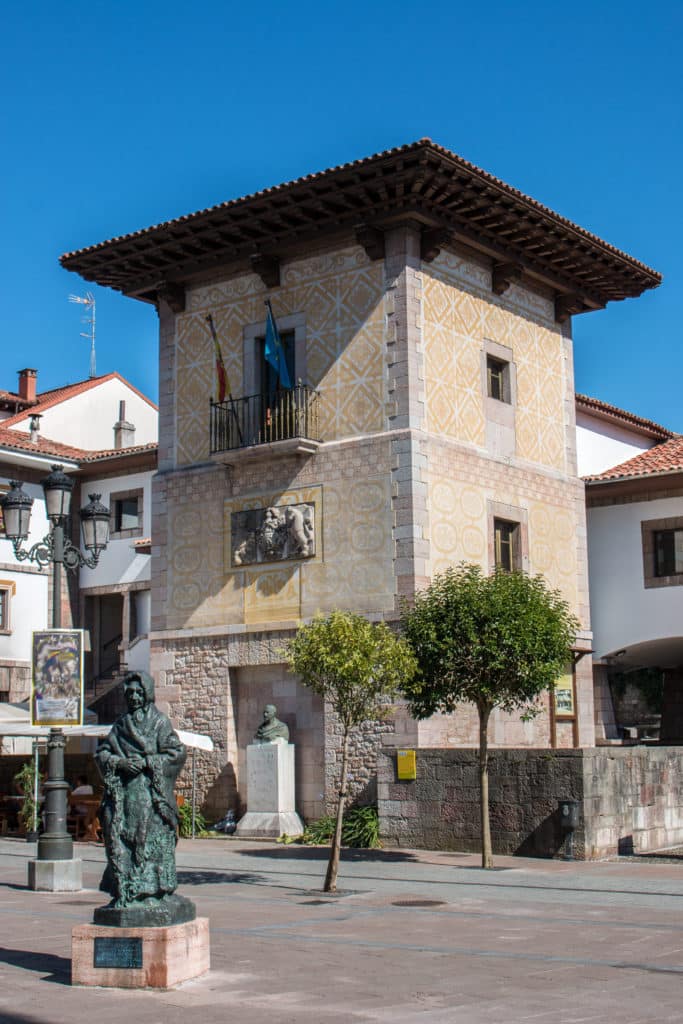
pixel 270 792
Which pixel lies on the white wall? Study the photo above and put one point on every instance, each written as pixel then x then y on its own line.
pixel 87 420
pixel 120 562
pixel 601 444
pixel 28 610
pixel 623 612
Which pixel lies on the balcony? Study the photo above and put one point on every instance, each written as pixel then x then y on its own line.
pixel 285 421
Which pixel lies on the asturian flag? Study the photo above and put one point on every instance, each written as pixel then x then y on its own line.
pixel 274 350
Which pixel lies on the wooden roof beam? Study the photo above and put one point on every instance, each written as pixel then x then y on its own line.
pixel 502 276
pixel 432 240
pixel 173 294
pixel 267 268
pixel 372 240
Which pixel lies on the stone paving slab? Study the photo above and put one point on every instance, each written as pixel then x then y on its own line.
pixel 415 936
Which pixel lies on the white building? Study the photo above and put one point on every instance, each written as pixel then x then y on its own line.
pixel 633 470
pixel 103 431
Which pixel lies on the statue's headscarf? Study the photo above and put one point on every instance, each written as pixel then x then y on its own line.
pixel 145 681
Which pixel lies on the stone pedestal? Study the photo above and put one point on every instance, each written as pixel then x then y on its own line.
pixel 270 792
pixel 55 875
pixel 139 957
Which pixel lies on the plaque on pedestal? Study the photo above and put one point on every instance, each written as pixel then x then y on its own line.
pixel 139 957
pixel 270 792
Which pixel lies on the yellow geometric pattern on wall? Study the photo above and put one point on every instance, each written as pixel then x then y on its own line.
pixel 460 313
pixel 459 531
pixel 341 297
pixel 199 592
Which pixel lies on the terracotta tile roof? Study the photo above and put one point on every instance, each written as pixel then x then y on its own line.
pixel 48 399
pixel 611 412
pixel 459 200
pixel 112 453
pixel 661 459
pixel 20 441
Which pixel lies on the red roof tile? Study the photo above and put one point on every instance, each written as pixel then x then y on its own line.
pixel 662 458
pixel 612 412
pixel 19 440
pixel 421 176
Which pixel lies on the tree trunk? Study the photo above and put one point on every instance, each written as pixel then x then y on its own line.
pixel 486 852
pixel 333 865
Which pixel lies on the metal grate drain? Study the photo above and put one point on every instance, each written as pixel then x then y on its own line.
pixel 418 903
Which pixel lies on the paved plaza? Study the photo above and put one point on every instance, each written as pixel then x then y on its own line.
pixel 412 936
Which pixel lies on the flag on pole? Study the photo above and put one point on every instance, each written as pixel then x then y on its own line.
pixel 274 351
pixel 221 373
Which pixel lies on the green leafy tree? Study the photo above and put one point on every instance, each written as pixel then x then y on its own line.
pixel 353 665
pixel 496 641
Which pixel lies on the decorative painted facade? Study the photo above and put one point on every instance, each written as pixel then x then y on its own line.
pixel 439 358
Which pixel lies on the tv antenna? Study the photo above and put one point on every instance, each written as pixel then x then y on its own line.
pixel 88 300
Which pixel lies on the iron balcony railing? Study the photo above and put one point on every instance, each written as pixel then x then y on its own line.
pixel 264 419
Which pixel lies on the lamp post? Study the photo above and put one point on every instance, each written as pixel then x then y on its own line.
pixel 55 843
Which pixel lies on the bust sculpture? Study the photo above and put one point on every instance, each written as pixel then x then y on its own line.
pixel 140 760
pixel 271 728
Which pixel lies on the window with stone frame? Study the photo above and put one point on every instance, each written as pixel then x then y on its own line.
pixel 126 513
pixel 662 552
pixel 499 392
pixel 508 537
pixel 498 379
pixel 506 545
pixel 7 591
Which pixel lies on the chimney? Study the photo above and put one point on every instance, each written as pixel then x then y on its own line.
pixel 27 385
pixel 124 432
pixel 35 427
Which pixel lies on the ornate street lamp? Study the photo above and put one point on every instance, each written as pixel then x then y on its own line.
pixel 55 843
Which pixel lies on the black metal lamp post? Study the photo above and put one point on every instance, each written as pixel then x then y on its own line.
pixel 55 843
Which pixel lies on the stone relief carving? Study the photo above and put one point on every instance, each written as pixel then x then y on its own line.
pixel 273 534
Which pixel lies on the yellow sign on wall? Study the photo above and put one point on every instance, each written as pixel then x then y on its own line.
pixel 405 764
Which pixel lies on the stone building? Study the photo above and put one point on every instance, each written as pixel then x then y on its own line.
pixel 425 312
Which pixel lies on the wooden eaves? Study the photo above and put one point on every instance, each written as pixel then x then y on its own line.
pixel 453 202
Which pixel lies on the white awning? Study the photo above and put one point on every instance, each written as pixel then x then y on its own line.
pixel 17 727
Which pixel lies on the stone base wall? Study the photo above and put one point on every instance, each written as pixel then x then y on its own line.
pixel 195 688
pixel 631 800
pixel 219 685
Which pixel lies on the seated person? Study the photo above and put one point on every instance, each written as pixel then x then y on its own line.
pixel 82 788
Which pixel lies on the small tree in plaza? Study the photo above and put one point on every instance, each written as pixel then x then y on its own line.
pixel 353 664
pixel 495 641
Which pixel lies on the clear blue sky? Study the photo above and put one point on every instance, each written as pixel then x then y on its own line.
pixel 116 116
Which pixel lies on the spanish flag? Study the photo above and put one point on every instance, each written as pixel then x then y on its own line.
pixel 221 373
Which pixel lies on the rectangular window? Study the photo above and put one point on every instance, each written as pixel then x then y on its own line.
pixel 126 516
pixel 498 379
pixel 126 513
pixel 7 590
pixel 506 542
pixel 668 552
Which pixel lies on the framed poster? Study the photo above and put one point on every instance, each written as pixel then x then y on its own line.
pixel 563 696
pixel 57 677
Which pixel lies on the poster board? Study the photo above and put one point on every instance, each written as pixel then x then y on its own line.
pixel 57 677
pixel 563 697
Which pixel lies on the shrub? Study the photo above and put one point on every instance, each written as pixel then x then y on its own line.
pixel 360 829
pixel 185 822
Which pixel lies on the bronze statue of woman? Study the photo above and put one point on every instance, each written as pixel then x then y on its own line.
pixel 140 761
